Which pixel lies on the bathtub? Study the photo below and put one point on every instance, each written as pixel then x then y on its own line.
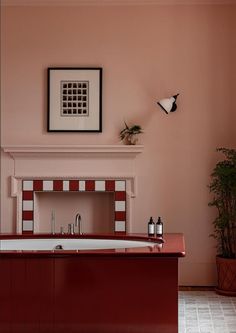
pixel 50 244
pixel 95 284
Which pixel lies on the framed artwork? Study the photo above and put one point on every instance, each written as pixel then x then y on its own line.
pixel 74 99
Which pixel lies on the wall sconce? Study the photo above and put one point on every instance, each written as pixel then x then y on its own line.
pixel 168 104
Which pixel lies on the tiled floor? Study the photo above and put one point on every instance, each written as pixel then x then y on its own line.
pixel 206 312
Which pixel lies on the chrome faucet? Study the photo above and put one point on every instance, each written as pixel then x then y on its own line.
pixel 78 223
pixel 53 222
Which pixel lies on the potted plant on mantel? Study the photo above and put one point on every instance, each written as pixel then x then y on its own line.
pixel 129 135
pixel 223 186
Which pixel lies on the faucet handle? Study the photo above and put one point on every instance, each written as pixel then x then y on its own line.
pixel 71 229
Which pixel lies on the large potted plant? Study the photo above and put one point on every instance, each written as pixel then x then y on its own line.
pixel 223 187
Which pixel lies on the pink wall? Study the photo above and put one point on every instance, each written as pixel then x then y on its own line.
pixel 147 53
pixel 69 204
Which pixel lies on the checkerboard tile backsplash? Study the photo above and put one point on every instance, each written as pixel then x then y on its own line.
pixel 29 187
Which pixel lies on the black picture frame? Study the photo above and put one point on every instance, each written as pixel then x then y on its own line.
pixel 74 99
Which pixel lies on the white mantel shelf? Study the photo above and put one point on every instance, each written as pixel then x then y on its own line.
pixel 17 151
pixel 68 162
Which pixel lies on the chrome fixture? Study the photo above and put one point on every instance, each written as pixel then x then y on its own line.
pixel 78 223
pixel 53 222
pixel 58 247
pixel 71 228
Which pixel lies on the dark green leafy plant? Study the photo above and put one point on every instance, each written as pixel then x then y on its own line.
pixel 223 186
pixel 128 134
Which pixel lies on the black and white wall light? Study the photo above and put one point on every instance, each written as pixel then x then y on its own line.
pixel 168 104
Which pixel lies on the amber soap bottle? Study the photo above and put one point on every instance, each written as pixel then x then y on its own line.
pixel 151 227
pixel 159 227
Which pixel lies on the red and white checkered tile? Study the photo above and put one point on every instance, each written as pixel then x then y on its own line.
pixel 29 187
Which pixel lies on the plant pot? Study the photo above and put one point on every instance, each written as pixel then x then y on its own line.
pixel 226 270
pixel 131 139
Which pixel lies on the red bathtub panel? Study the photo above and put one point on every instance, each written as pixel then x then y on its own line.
pixel 26 295
pixel 19 303
pixel 87 292
pixel 5 300
pixel 116 295
pixel 40 314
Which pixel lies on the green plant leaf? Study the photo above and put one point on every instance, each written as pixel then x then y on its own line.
pixel 223 187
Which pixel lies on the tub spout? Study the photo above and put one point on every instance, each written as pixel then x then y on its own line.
pixel 78 223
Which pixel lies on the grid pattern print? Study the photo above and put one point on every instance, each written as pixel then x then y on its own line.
pixel 74 98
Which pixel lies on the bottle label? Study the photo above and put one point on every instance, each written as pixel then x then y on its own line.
pixel 151 229
pixel 159 229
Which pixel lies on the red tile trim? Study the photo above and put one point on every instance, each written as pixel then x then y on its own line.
pixel 38 185
pixel 120 196
pixel 74 185
pixel 120 216
pixel 90 185
pixel 28 195
pixel 27 215
pixel 57 185
pixel 110 185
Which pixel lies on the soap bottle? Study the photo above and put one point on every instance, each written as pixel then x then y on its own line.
pixel 159 227
pixel 151 227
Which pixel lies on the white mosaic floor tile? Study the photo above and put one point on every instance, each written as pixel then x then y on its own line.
pixel 206 312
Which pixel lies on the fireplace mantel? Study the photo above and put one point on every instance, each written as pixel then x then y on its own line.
pixel 72 168
pixel 21 151
pixel 71 161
